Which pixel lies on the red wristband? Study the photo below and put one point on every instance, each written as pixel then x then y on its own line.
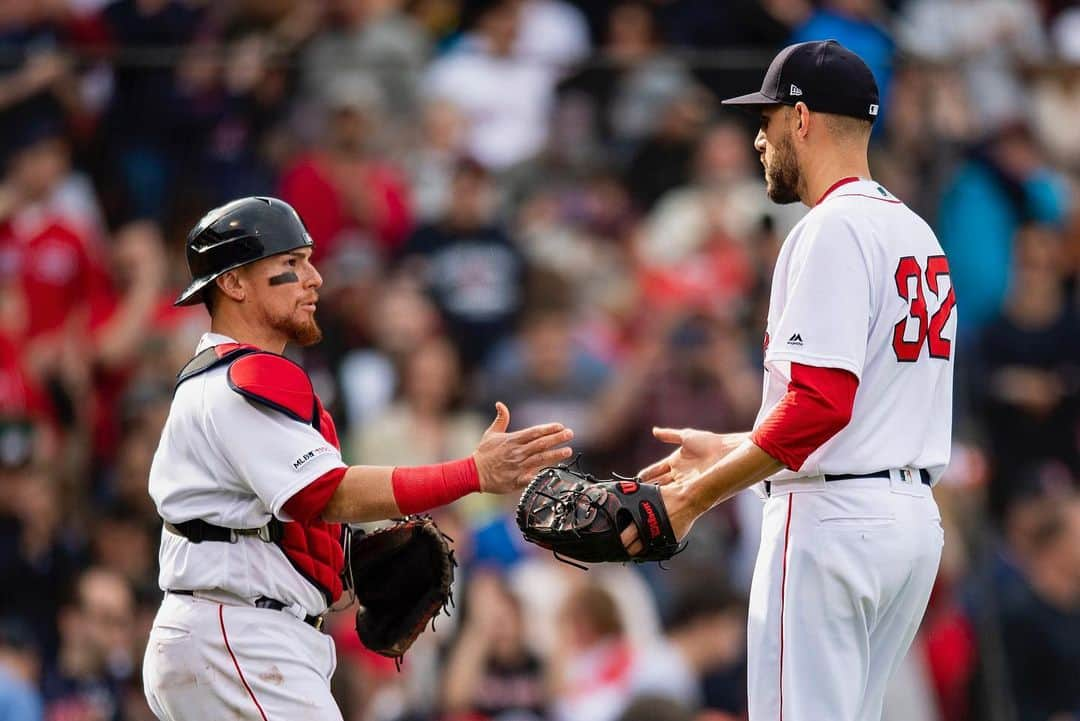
pixel 421 488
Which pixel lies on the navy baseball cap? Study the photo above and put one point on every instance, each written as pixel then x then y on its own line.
pixel 824 74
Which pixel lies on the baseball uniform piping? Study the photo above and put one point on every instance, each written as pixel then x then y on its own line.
pixel 891 201
pixel 783 593
pixel 221 619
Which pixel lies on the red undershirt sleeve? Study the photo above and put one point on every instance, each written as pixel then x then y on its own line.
pixel 308 503
pixel 817 406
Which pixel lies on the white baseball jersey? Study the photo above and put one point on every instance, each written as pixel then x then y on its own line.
pixel 845 567
pixel 862 284
pixel 233 463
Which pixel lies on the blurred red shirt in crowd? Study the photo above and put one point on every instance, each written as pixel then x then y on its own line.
pixel 59 270
pixel 337 200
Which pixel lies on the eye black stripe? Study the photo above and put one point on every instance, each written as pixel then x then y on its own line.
pixel 282 278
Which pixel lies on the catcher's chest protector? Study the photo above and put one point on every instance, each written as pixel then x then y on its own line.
pixel 314 549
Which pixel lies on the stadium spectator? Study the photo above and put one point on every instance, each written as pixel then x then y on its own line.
pixel 237 113
pixel 506 98
pixel 145 111
pixel 1003 183
pixel 545 376
pixel 374 39
pixel 470 264
pixel 986 40
pixel 687 371
pixel 1039 608
pixel 695 248
pixel 353 198
pixel 700 662
pixel 1030 355
pixel 383 322
pixel 620 100
pixel 552 33
pixel 490 672
pixel 426 424
pixel 95 660
pixel 597 668
pixel 663 160
pixel 38 553
pixel 432 161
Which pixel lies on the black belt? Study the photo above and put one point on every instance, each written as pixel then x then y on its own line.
pixel 923 474
pixel 273 604
pixel 198 530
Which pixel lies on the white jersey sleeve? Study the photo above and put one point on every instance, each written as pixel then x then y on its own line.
pixel 827 308
pixel 269 452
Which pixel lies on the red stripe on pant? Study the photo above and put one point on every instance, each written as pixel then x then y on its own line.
pixel 221 620
pixel 783 592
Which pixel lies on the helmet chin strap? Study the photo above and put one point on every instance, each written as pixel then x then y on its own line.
pixel 283 278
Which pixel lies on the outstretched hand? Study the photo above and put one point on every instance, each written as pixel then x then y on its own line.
pixel 697 450
pixel 508 461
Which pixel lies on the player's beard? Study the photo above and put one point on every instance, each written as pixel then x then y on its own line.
pixel 299 332
pixel 782 175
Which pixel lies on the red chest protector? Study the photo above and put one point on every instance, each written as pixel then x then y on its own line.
pixel 315 549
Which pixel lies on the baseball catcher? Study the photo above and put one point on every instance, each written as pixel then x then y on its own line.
pixel 577 516
pixel 255 497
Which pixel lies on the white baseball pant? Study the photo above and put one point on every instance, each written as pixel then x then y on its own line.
pixel 840 586
pixel 211 659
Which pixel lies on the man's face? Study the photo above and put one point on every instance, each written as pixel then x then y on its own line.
pixel 286 289
pixel 774 144
pixel 107 608
pixel 38 169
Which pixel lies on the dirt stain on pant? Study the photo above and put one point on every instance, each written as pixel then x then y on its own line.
pixel 273 676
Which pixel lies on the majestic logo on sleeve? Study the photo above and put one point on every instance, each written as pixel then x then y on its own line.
pixel 795 339
pixel 299 462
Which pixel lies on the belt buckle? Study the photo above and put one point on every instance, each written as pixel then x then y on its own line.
pixel 319 621
pixel 264 533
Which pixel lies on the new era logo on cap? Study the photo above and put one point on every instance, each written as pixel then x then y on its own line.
pixel 795 90
pixel 873 109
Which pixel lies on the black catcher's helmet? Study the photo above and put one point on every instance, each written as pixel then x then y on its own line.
pixel 236 234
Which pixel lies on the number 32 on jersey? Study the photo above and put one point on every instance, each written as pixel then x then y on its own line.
pixel 919 326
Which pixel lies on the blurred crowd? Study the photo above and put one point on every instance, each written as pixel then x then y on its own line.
pixel 540 202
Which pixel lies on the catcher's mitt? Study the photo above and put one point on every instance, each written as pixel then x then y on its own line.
pixel 401 576
pixel 573 514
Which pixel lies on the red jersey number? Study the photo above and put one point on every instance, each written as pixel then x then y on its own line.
pixel 929 327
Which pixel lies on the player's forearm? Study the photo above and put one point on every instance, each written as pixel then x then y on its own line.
pixel 366 493
pixel 372 493
pixel 739 469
